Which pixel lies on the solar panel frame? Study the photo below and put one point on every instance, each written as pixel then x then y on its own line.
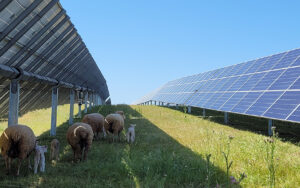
pixel 250 88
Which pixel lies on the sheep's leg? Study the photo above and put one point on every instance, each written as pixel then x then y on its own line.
pixel 51 154
pixel 77 153
pixel 119 137
pixel 7 164
pixel 36 162
pixel 86 150
pixel 19 165
pixel 42 162
pixel 127 136
pixel 56 154
pixel 29 163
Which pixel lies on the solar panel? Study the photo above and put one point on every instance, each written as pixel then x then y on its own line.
pixel 266 87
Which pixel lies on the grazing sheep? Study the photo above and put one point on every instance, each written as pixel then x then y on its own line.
pixel 17 141
pixel 130 135
pixel 80 137
pixel 54 150
pixel 39 158
pixel 96 121
pixel 114 124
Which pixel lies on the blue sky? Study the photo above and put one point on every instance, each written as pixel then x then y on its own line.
pixel 140 45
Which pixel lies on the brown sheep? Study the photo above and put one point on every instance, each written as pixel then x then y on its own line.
pixel 114 124
pixel 17 141
pixel 96 121
pixel 54 149
pixel 80 137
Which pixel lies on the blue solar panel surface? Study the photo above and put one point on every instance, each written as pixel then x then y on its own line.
pixel 267 87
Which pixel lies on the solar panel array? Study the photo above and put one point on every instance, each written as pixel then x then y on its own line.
pixel 37 36
pixel 266 87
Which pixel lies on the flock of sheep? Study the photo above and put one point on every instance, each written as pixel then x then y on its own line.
pixel 19 141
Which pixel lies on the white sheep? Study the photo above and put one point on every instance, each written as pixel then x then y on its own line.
pixel 130 135
pixel 39 158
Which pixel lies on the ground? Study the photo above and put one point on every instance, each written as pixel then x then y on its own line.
pixel 171 150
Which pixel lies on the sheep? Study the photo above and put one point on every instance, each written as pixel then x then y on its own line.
pixel 17 141
pixel 130 135
pixel 39 158
pixel 80 137
pixel 54 150
pixel 96 121
pixel 114 124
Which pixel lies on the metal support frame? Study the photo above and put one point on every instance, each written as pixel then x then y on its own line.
pixel 177 107
pixel 270 124
pixel 203 112
pixel 189 109
pixel 72 100
pixel 14 94
pixel 226 117
pixel 54 110
pixel 86 97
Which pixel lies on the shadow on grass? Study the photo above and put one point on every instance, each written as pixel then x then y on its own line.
pixel 287 131
pixel 154 160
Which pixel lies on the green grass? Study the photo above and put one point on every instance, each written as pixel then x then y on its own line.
pixel 170 151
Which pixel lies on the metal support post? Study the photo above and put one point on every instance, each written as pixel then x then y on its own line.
pixel 189 109
pixel 72 99
pixel 177 106
pixel 90 101
pixel 54 111
pixel 225 117
pixel 155 103
pixel 14 93
pixel 79 110
pixel 270 124
pixel 86 96
pixel 203 112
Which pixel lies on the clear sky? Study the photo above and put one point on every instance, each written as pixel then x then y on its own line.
pixel 140 45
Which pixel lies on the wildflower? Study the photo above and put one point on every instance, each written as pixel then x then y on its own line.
pixel 233 180
pixel 269 140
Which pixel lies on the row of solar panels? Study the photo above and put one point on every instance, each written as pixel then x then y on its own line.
pixel 38 37
pixel 267 87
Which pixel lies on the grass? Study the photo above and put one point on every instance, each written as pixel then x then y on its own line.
pixel 171 150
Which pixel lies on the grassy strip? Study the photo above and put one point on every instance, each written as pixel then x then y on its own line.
pixel 172 149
